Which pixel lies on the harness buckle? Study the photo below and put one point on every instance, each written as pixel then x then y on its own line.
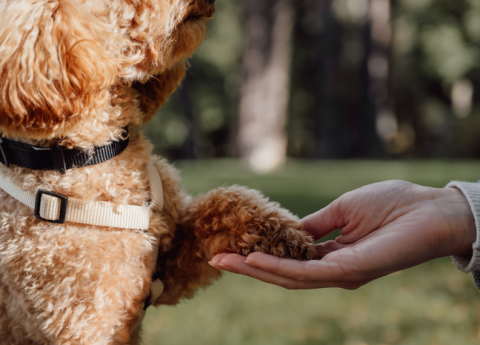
pixel 3 154
pixel 156 290
pixel 63 206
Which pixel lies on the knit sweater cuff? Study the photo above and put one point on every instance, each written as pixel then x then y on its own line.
pixel 470 263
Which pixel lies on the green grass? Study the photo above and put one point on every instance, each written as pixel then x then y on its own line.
pixel 431 304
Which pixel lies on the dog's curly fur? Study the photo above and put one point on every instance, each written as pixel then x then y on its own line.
pixel 75 73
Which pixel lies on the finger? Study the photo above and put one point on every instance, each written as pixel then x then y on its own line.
pixel 322 248
pixel 319 271
pixel 326 248
pixel 331 246
pixel 236 264
pixel 216 259
pixel 324 221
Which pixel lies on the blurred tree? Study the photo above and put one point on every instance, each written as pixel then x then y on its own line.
pixel 187 149
pixel 331 138
pixel 379 67
pixel 436 75
pixel 265 91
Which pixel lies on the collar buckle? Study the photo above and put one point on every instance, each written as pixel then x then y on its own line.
pixel 58 157
pixel 3 154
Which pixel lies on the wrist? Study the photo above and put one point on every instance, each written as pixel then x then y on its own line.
pixel 460 219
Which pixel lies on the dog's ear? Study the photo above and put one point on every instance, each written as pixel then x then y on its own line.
pixel 57 62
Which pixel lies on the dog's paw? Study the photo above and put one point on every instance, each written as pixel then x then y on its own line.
pixel 276 235
pixel 243 221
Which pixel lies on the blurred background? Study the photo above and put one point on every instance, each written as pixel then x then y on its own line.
pixel 306 100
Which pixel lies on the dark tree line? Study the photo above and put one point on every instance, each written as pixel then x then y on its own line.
pixel 331 79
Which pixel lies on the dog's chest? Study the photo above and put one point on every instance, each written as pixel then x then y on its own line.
pixel 52 272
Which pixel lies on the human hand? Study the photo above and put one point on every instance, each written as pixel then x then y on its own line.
pixel 385 227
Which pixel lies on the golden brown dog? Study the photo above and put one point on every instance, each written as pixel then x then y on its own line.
pixel 76 73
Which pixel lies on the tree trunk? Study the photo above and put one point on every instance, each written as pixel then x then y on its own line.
pixel 339 117
pixel 331 139
pixel 379 69
pixel 265 95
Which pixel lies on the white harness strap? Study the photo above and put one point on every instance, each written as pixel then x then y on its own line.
pixel 98 213
pixel 57 208
pixel 156 188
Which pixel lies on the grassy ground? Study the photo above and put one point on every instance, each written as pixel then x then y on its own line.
pixel 431 304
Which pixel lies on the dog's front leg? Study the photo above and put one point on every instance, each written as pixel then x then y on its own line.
pixel 235 220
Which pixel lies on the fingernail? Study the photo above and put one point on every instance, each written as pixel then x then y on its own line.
pixel 215 264
pixel 221 264
pixel 218 265
pixel 249 263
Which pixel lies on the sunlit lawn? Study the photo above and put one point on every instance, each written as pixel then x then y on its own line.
pixel 432 304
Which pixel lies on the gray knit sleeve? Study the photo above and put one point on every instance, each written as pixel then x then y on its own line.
pixel 471 191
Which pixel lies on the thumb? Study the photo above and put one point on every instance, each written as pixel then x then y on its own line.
pixel 324 221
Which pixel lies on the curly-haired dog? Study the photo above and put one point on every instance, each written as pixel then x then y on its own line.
pixel 75 75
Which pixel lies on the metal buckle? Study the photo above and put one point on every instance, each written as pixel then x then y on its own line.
pixel 148 301
pixel 4 155
pixel 63 206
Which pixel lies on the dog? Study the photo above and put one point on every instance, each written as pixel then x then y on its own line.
pixel 78 79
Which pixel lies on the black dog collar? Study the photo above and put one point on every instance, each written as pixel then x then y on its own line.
pixel 57 158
